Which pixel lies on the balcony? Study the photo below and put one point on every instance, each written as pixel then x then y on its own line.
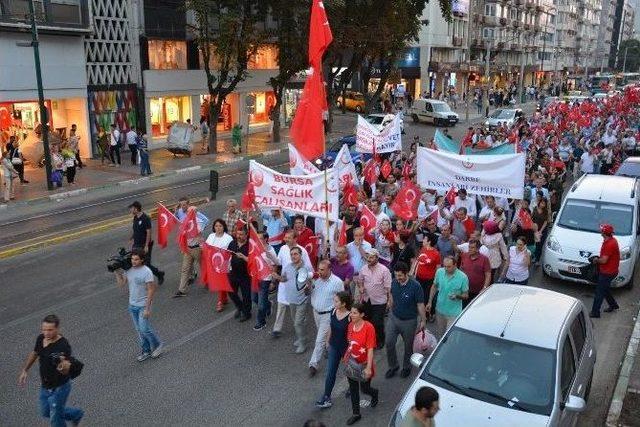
pixel 516 47
pixel 491 21
pixel 457 41
pixel 515 23
pixel 530 4
pixel 70 16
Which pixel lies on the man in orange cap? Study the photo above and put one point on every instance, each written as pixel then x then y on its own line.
pixel 608 264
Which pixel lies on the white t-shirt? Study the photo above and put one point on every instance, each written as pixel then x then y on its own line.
pixel 221 242
pixel 518 271
pixel 115 137
pixel 284 259
pixel 469 202
pixel 131 137
pixel 586 163
pixel 608 139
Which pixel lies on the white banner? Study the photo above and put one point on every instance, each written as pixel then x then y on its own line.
pixel 301 194
pixel 495 175
pixel 387 140
pixel 298 164
pixel 343 164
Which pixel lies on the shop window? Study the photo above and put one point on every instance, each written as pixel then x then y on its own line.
pixel 66 11
pixel 229 114
pixel 265 58
pixel 167 55
pixel 166 111
pixel 264 102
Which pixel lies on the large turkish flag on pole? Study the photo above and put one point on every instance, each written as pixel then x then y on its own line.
pixel 320 36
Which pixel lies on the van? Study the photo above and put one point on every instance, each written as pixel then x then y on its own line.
pixel 433 111
pixel 575 235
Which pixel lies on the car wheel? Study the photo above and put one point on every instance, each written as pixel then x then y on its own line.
pixel 358 109
pixel 415 118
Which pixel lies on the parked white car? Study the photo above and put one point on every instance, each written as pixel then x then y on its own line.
pixel 575 235
pixel 433 111
pixel 503 116
pixel 516 356
pixel 381 120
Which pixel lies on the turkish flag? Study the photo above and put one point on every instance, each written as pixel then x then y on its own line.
pixel 312 247
pixel 525 219
pixel 405 205
pixel 350 195
pixel 307 129
pixel 188 230
pixel 406 170
pixel 215 263
pixel 342 238
pixel 371 172
pixel 258 268
pixel 451 196
pixel 467 141
pixel 320 36
pixel 368 222
pixel 166 222
pixel 248 197
pixel 385 169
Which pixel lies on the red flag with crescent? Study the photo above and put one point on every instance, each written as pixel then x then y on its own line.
pixel 385 169
pixel 248 197
pixel 406 169
pixel 312 248
pixel 451 196
pixel 350 195
pixel 258 268
pixel 214 267
pixel 368 222
pixel 166 222
pixel 405 205
pixel 342 238
pixel 188 230
pixel 371 172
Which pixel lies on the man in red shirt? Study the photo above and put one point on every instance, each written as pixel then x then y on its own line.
pixel 477 268
pixel 608 264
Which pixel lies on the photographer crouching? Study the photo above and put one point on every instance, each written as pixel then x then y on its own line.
pixel 57 368
pixel 142 288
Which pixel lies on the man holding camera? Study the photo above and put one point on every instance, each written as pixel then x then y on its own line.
pixel 57 367
pixel 141 237
pixel 141 291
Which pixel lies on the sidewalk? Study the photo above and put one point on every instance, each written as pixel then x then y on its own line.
pixel 96 176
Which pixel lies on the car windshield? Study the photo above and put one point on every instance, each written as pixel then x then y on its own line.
pixel 501 372
pixel 631 169
pixel 375 120
pixel 441 108
pixel 587 215
pixel 503 114
pixel 357 96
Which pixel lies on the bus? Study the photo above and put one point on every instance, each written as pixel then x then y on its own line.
pixel 624 79
pixel 602 83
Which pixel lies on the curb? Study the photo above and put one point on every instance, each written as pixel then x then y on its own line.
pixel 620 391
pixel 135 181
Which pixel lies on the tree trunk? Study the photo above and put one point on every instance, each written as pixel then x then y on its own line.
pixel 214 114
pixel 275 117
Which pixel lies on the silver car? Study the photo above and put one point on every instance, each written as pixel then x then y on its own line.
pixel 516 356
pixel 503 116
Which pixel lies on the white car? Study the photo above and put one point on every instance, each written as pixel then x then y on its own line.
pixel 381 120
pixel 575 235
pixel 433 111
pixel 503 116
pixel 516 356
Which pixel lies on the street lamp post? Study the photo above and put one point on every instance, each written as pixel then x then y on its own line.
pixel 523 97
pixel 624 63
pixel 44 114
pixel 486 76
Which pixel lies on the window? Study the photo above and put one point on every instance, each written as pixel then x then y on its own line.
pixel 259 113
pixel 490 9
pixel 167 55
pixel 488 33
pixel 165 111
pixel 587 215
pixel 513 13
pixel 66 11
pixel 578 333
pixel 265 58
pixel 568 369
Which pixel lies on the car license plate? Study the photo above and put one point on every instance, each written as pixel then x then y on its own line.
pixel 574 270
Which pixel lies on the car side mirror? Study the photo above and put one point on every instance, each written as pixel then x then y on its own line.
pixel 575 404
pixel 417 359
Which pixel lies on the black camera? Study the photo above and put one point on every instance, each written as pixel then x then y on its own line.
pixel 56 358
pixel 120 261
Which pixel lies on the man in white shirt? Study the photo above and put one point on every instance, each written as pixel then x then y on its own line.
pixel 377 211
pixel 132 142
pixel 325 287
pixel 463 200
pixel 586 162
pixel 284 259
pixel 114 145
pixel 487 211
pixel 192 256
pixel 608 138
pixel 358 249
pixel 629 142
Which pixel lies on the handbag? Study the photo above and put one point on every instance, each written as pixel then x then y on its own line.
pixel 353 369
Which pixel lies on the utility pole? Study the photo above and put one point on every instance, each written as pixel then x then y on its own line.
pixel 468 92
pixel 486 76
pixel 624 63
pixel 44 114
pixel 523 55
pixel 544 49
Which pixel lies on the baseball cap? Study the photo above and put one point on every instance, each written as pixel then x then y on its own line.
pixel 372 251
pixel 606 228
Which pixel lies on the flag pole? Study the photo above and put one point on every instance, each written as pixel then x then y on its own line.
pixel 326 199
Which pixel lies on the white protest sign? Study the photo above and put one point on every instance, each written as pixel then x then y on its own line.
pixel 343 165
pixel 302 194
pixel 298 164
pixel 388 140
pixel 500 175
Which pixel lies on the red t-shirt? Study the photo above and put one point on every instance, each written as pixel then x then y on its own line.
pixel 360 341
pixel 610 248
pixel 475 270
pixel 428 263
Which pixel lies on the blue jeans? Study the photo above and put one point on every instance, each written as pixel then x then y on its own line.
pixel 145 167
pixel 148 339
pixel 333 363
pixel 603 291
pixel 53 403
pixel 261 298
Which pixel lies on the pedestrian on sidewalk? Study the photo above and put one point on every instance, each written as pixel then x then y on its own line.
pixel 192 256
pixel 57 368
pixel 324 289
pixel 361 336
pixel 407 304
pixel 239 275
pixel 220 238
pixel 143 149
pixel 141 237
pixel 114 146
pixel 17 159
pixel 70 163
pixel 608 263
pixel 9 173
pixel 74 144
pixel 297 278
pixel 204 131
pixel 142 288
pixel 103 143
pixel 132 143
pixel 261 298
pixel 57 164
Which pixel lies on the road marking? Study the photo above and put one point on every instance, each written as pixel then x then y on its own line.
pixel 187 170
pixel 195 334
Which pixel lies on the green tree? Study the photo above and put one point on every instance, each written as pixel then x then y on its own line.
pixel 291 35
pixel 631 49
pixel 228 33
